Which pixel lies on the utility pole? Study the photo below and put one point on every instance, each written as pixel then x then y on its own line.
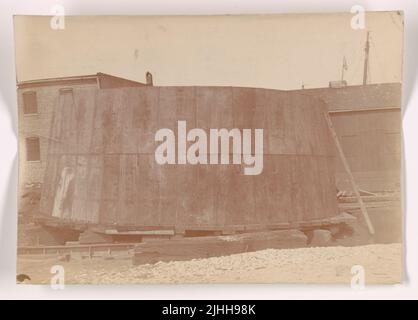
pixel 344 68
pixel 366 59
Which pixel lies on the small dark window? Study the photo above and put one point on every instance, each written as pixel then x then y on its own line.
pixel 33 150
pixel 30 103
pixel 65 90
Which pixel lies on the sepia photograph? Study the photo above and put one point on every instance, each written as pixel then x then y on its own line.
pixel 210 149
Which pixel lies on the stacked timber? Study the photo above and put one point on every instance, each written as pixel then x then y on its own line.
pixel 206 247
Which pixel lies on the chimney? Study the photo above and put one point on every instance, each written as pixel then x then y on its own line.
pixel 149 79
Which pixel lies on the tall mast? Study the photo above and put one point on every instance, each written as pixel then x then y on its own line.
pixel 366 59
pixel 343 68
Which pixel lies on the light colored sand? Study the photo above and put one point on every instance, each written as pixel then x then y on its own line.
pixel 382 264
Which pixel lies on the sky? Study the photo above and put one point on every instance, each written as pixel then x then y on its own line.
pixel 265 51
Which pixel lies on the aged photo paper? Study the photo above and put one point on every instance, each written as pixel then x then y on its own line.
pixel 210 149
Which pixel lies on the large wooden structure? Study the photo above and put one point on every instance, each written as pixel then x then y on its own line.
pixel 101 168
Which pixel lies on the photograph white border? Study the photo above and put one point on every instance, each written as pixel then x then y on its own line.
pixel 9 167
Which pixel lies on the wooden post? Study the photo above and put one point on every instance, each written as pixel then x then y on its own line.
pixel 350 175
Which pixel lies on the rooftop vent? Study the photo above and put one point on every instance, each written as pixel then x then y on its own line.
pixel 338 84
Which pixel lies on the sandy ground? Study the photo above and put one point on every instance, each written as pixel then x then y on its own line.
pixel 382 264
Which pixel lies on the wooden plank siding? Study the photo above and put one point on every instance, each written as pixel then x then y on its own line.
pixel 368 121
pixel 107 138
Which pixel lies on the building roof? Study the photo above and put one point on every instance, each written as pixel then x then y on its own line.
pixel 361 97
pixel 344 99
pixel 102 80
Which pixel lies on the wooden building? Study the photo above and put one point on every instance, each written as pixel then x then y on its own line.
pixel 368 121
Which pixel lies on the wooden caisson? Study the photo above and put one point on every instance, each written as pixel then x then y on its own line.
pixel 101 167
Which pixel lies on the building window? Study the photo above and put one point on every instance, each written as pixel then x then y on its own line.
pixel 33 149
pixel 66 90
pixel 30 103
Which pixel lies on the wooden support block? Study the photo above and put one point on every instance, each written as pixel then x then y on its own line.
pixel 344 217
pixel 311 223
pixel 152 238
pixel 140 232
pixel 205 247
pixel 256 227
pixel 90 237
pixel 280 226
pixel 228 232
pixel 177 236
pixel 180 231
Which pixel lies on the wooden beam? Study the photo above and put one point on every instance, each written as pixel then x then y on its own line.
pixel 140 232
pixel 380 198
pixel 367 192
pixel 364 110
pixel 350 174
pixel 216 246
